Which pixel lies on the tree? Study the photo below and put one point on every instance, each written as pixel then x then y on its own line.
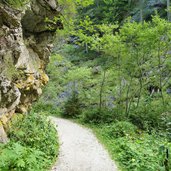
pixel 168 10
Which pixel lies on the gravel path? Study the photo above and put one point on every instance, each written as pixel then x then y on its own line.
pixel 80 150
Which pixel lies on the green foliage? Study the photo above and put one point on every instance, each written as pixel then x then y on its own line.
pixel 78 74
pixel 103 11
pixel 135 156
pixel 120 129
pixel 35 131
pixel 56 70
pixel 136 64
pixel 150 115
pixel 117 77
pixel 14 156
pixel 46 108
pixel 33 144
pixel 16 3
pixel 95 115
pixel 72 107
pixel 133 151
pixel 112 11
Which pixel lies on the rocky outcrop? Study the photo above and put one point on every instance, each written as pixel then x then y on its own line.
pixel 26 35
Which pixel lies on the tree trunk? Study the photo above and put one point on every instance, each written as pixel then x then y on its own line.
pixel 168 11
pixel 140 91
pixel 86 47
pixel 141 11
pixel 101 91
pixel 160 73
pixel 140 79
pixel 127 98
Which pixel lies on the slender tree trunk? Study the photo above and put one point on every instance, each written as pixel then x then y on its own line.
pixel 160 73
pixel 120 82
pixel 168 11
pixel 141 15
pixel 129 106
pixel 140 79
pixel 97 3
pixel 127 98
pixel 141 11
pixel 166 162
pixel 74 90
pixel 140 91
pixel 86 47
pixel 101 90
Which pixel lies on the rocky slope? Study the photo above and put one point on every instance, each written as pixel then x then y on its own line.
pixel 26 35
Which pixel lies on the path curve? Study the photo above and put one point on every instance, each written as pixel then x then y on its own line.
pixel 79 149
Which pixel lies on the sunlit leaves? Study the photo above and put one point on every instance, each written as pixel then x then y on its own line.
pixel 84 3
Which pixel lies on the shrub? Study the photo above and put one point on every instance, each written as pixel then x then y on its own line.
pixel 120 129
pixel 148 116
pixel 142 152
pixel 166 124
pixel 35 131
pixel 133 154
pixel 14 156
pixel 72 107
pixel 94 115
pixel 47 108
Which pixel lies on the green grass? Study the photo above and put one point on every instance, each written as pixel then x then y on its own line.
pixel 138 152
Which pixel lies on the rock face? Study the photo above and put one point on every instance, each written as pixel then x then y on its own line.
pixel 25 44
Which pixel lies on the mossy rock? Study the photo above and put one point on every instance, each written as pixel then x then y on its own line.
pixel 3 120
pixel 15 3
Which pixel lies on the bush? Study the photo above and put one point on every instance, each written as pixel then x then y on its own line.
pixel 72 107
pixel 166 124
pixel 14 156
pixel 120 129
pixel 148 116
pixel 34 131
pixel 94 115
pixel 47 108
pixel 138 152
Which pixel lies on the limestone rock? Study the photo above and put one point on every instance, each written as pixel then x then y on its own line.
pixel 3 135
pixel 25 47
pixel 9 95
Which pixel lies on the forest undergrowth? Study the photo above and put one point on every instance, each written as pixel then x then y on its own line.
pixel 138 142
pixel 33 144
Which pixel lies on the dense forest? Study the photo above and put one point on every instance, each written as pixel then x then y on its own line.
pixel 110 70
pixel 112 73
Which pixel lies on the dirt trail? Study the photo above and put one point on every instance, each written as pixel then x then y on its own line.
pixel 80 150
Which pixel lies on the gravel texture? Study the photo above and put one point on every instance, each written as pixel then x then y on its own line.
pixel 80 150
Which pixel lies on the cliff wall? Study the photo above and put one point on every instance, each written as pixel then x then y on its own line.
pixel 26 36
